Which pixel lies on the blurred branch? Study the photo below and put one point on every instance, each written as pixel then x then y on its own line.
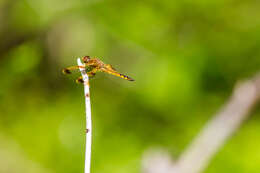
pixel 214 135
pixel 8 38
pixel 11 37
pixel 88 117
pixel 10 41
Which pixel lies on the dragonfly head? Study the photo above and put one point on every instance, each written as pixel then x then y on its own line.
pixel 86 59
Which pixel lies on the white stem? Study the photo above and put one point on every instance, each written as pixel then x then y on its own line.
pixel 88 117
pixel 213 136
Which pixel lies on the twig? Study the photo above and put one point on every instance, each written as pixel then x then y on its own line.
pixel 88 117
pixel 216 132
pixel 219 129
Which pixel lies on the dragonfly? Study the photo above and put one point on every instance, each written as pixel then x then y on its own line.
pixel 94 65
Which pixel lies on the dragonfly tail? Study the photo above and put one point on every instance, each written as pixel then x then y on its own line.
pixel 120 75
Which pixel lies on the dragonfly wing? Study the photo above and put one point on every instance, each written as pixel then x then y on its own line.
pixel 69 70
pixel 109 67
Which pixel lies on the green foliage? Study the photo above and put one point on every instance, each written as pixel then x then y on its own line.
pixel 186 56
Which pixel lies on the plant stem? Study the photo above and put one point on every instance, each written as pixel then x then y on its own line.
pixel 88 117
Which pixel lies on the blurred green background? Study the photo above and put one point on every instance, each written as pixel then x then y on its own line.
pixel 186 56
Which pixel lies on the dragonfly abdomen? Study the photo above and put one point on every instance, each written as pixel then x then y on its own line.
pixel 126 77
pixel 120 75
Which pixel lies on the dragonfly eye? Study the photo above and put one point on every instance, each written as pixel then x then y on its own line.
pixel 85 59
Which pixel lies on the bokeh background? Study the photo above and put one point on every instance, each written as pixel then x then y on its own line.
pixel 186 56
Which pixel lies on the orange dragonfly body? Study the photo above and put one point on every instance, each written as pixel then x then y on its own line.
pixel 94 65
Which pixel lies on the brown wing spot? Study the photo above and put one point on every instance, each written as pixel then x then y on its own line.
pixel 91 74
pixel 79 80
pixel 87 130
pixel 87 95
pixel 66 71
